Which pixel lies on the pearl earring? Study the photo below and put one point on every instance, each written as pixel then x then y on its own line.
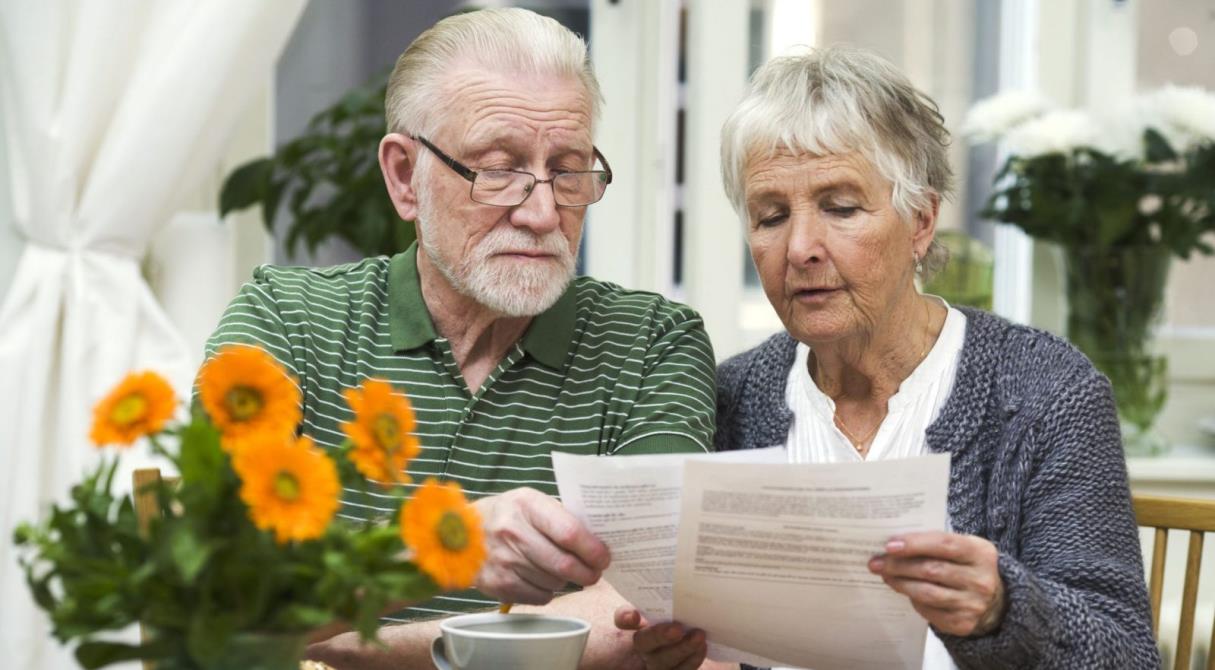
pixel 919 266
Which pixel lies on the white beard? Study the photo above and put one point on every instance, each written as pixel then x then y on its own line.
pixel 508 287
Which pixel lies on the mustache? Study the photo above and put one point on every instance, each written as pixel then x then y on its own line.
pixel 514 239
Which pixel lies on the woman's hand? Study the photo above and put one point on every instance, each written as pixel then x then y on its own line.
pixel 952 580
pixel 665 645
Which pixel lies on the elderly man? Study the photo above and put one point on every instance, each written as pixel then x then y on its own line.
pixel 505 356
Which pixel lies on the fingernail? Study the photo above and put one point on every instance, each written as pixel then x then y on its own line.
pixel 876 564
pixel 673 633
pixel 895 545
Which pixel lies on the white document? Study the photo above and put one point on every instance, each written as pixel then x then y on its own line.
pixel 632 504
pixel 774 559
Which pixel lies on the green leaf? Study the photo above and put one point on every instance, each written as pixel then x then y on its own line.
pixel 245 186
pixel 97 654
pixel 190 554
pixel 1157 147
pixel 207 635
pixel 23 534
pixel 202 459
pixel 42 592
pixel 303 617
pixel 273 196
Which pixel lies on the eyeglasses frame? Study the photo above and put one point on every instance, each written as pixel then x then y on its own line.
pixel 471 174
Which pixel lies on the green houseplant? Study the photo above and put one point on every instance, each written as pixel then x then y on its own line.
pixel 247 555
pixel 1121 194
pixel 328 179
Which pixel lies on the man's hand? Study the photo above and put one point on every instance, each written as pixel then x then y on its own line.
pixel 953 580
pixel 534 547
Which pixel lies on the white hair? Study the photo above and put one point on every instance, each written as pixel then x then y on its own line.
pixel 841 100
pixel 509 40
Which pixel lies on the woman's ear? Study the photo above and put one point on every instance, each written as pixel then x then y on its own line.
pixel 925 220
pixel 398 156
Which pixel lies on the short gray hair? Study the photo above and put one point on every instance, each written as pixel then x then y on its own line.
pixel 841 100
pixel 509 40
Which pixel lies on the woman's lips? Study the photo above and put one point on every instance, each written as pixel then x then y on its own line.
pixel 814 295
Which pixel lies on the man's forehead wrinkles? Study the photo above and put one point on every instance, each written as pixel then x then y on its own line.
pixel 538 114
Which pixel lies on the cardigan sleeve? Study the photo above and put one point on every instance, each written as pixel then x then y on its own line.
pixel 1075 591
pixel 730 376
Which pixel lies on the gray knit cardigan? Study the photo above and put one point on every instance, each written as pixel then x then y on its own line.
pixel 1037 469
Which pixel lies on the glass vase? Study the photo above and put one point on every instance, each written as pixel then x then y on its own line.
pixel 1115 299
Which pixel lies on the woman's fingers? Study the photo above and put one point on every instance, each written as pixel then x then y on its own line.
pixel 936 571
pixel 627 618
pixel 948 547
pixel 928 593
pixel 952 580
pixel 685 652
pixel 658 636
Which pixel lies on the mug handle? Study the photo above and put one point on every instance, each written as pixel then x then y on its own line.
pixel 438 654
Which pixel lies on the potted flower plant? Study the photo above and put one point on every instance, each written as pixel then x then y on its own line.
pixel 328 179
pixel 1121 193
pixel 247 555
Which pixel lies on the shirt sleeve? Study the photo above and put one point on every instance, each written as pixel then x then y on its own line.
pixel 675 406
pixel 252 318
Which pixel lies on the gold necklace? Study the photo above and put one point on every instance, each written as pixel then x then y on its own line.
pixel 856 444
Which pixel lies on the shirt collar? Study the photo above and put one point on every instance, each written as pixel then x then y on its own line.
pixel 551 334
pixel 548 338
pixel 409 324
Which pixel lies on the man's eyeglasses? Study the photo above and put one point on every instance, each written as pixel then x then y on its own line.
pixel 507 188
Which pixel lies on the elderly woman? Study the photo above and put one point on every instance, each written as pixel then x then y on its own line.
pixel 837 166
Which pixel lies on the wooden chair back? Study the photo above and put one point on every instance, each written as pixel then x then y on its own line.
pixel 146 509
pixel 1165 514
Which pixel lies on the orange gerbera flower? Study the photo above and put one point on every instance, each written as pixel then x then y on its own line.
pixel 445 534
pixel 140 405
pixel 248 393
pixel 382 432
pixel 289 486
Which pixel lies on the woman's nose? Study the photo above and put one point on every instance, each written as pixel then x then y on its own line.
pixel 806 243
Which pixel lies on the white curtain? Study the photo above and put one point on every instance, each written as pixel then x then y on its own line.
pixel 111 111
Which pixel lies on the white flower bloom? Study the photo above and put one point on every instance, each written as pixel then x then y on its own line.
pixel 991 118
pixel 1120 130
pixel 1185 115
pixel 1053 132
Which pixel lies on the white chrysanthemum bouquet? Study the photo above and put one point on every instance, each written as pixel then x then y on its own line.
pixel 1142 173
pixel 1121 191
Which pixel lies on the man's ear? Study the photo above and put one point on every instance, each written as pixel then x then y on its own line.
pixel 398 156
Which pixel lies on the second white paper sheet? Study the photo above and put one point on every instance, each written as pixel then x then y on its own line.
pixel 773 560
pixel 631 503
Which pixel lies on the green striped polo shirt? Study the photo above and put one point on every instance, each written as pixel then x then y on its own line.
pixel 603 371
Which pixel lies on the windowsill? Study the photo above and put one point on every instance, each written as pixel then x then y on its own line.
pixel 1186 463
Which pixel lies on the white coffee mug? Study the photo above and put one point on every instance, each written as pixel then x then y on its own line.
pixel 495 641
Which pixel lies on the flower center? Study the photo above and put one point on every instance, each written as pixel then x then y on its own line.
pixel 453 534
pixel 387 431
pixel 243 402
pixel 129 410
pixel 286 486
